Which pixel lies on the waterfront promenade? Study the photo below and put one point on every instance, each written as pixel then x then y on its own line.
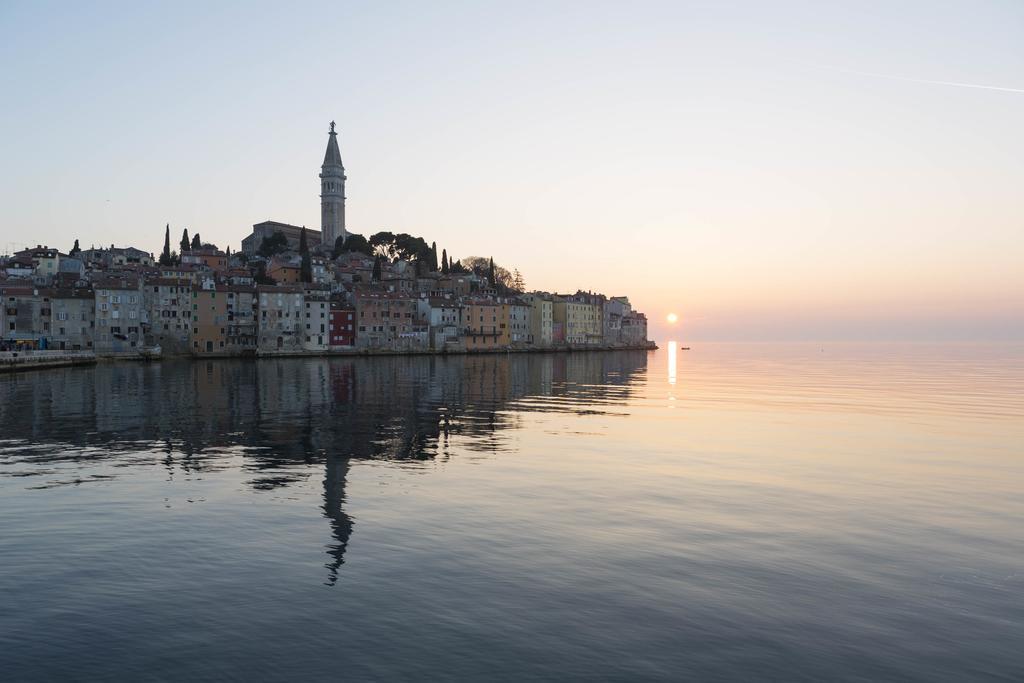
pixel 11 361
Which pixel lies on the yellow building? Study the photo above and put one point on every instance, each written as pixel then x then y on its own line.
pixel 579 318
pixel 284 272
pixel 209 321
pixel 483 319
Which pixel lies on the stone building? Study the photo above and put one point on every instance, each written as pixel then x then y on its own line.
pixel 281 323
pixel 26 314
pixel 116 257
pixel 46 260
pixel 540 318
pixel 386 320
pixel 260 231
pixel 208 257
pixel 72 319
pixel 515 323
pixel 285 269
pixel 634 328
pixel 615 309
pixel 443 317
pixel 120 316
pixel 242 310
pixel 169 305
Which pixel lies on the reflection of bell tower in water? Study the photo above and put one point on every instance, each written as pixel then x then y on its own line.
pixel 336 470
pixel 332 193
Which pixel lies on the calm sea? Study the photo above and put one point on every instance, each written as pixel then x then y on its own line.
pixel 726 513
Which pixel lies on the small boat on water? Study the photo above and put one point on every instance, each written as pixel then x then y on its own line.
pixel 151 352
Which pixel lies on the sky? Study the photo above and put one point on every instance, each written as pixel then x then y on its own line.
pixel 769 171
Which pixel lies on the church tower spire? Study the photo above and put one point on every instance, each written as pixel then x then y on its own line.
pixel 332 193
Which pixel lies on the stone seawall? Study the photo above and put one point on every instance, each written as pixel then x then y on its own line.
pixel 11 361
pixel 348 353
pixel 30 360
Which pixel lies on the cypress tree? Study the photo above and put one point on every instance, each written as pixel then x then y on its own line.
pixel 433 257
pixel 185 244
pixel 377 274
pixel 165 255
pixel 306 269
pixel 196 241
pixel 490 271
pixel 444 261
pixel 75 249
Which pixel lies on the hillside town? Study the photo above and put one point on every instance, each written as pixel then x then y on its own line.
pixel 292 290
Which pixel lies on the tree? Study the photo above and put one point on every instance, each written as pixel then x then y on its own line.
pixel 482 267
pixel 444 261
pixel 352 243
pixel 185 245
pixel 358 244
pixel 377 274
pixel 517 281
pixel 490 272
pixel 455 266
pixel 196 242
pixel 175 259
pixel 383 244
pixel 75 249
pixel 275 244
pixel 165 255
pixel 433 257
pixel 306 268
pixel 261 274
pixel 400 246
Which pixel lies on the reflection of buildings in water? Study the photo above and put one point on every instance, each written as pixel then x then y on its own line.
pixel 285 414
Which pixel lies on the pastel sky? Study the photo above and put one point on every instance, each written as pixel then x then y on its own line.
pixel 784 170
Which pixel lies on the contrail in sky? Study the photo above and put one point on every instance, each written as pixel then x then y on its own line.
pixel 924 80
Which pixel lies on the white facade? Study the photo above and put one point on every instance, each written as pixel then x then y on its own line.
pixel 317 322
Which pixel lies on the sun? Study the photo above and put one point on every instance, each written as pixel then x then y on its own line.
pixel 672 318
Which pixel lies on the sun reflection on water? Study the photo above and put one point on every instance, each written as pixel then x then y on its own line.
pixel 672 362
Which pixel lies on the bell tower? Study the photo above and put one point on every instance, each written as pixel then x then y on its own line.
pixel 332 193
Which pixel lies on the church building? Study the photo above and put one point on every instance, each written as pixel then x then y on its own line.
pixel 332 208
